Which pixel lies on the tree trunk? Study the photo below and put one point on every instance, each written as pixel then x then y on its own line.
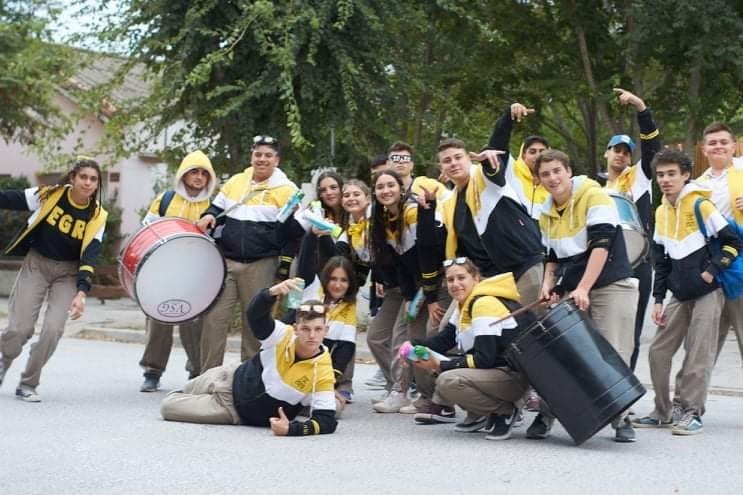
pixel 600 103
pixel 692 119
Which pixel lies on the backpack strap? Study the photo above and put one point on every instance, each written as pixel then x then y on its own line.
pixel 165 201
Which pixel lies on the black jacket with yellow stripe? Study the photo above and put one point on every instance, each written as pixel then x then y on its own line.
pixel 681 252
pixel 275 377
pixel 473 330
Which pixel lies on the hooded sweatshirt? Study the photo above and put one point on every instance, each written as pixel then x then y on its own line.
pixel 635 181
pixel 588 220
pixel 277 377
pixel 251 230
pixel 473 330
pixel 183 205
pixel 531 194
pixel 488 213
pixel 681 251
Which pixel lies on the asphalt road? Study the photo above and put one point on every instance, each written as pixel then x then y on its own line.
pixel 96 433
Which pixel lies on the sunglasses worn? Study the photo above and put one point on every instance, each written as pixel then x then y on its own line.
pixel 455 261
pixel 312 308
pixel 401 158
pixel 261 139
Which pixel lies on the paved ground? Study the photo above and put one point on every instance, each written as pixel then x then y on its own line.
pixel 95 433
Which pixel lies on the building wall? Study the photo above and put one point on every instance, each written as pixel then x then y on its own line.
pixel 136 175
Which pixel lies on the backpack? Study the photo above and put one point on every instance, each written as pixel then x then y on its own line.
pixel 165 202
pixel 730 279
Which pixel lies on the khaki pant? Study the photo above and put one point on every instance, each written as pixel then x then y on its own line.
pixel 481 392
pixel 379 333
pixel 732 315
pixel 205 399
pixel 695 325
pixel 159 342
pixel 529 285
pixel 242 283
pixel 612 309
pixel 39 278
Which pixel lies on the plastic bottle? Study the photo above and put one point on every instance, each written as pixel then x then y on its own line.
pixel 321 223
pixel 288 208
pixel 294 297
pixel 316 207
pixel 412 313
pixel 420 353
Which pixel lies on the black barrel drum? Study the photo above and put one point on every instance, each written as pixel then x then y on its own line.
pixel 575 370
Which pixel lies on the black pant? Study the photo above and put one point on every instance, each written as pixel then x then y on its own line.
pixel 644 272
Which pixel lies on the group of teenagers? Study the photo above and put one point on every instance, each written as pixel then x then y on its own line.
pixel 449 263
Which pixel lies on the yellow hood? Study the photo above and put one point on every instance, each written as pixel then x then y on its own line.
pixel 195 159
pixel 501 285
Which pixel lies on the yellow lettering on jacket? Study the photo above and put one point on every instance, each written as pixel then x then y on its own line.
pixel 78 230
pixel 65 224
pixel 54 215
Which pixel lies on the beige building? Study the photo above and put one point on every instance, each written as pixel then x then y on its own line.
pixel 130 180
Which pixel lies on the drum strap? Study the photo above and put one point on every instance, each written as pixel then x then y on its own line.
pixel 165 202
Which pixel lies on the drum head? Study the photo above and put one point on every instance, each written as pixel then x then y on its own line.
pixel 179 280
pixel 637 246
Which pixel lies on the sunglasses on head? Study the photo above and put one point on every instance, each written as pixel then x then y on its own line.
pixel 455 261
pixel 261 139
pixel 312 308
pixel 401 158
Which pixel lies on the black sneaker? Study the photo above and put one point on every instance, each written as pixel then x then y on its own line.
pixel 540 428
pixel 432 413
pixel 471 423
pixel 501 426
pixel 151 383
pixel 624 433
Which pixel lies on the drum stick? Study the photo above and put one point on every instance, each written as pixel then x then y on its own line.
pixel 522 309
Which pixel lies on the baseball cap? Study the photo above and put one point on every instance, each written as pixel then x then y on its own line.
pixel 621 139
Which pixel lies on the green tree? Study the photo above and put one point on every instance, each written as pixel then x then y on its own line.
pixel 32 68
pixel 232 69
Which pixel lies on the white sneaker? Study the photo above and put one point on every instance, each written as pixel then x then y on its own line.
pixel 409 409
pixel 380 398
pixel 27 394
pixel 392 404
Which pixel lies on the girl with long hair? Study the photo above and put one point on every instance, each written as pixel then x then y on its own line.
pixel 61 244
pixel 478 378
pixel 398 259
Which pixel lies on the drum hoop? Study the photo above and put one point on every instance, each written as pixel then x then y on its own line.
pixel 209 306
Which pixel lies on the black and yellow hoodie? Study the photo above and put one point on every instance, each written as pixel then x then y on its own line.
pixel 635 181
pixel 588 220
pixel 182 205
pixel 58 228
pixel 530 193
pixel 275 377
pixel 251 231
pixel 341 317
pixel 470 330
pixel 681 251
pixel 490 216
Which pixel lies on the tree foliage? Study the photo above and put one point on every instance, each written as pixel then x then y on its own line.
pixel 338 80
pixel 31 70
